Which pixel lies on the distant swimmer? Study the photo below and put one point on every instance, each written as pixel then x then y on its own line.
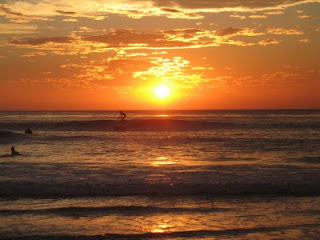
pixel 28 131
pixel 123 115
pixel 14 152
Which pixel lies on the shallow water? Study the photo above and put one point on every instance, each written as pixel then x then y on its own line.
pixel 162 217
pixel 170 175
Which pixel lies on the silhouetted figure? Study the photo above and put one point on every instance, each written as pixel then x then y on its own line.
pixel 14 152
pixel 28 131
pixel 123 115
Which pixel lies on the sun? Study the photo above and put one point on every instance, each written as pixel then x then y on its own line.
pixel 162 91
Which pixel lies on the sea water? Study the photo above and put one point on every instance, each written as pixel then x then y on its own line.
pixel 160 174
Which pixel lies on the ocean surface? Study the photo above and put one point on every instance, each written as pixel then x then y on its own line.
pixel 160 175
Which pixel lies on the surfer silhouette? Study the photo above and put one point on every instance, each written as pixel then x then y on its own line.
pixel 14 152
pixel 122 115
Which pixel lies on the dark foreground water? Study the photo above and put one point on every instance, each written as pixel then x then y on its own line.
pixel 165 174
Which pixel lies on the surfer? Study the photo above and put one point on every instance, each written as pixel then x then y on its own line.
pixel 14 152
pixel 122 115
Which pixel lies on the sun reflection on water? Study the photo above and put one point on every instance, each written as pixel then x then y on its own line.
pixel 159 161
pixel 161 227
pixel 162 115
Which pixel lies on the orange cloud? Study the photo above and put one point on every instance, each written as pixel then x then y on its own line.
pixel 275 13
pixel 87 41
pixel 229 31
pixel 10 28
pixel 303 16
pixel 19 17
pixel 177 72
pixel 282 31
pixel 40 40
pixel 269 42
pixel 231 5
pixel 132 39
pixel 75 14
pixel 304 40
pixel 258 16
pixel 241 17
pixel 99 9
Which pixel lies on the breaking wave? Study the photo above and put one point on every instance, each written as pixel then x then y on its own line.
pixel 178 234
pixel 151 125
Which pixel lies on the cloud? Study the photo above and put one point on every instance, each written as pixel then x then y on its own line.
pixel 99 9
pixel 275 13
pixel 175 38
pixel 75 14
pixel 285 76
pixel 241 17
pixel 136 72
pixel 304 40
pixel 87 41
pixel 229 31
pixel 19 17
pixel 34 54
pixel 176 72
pixel 175 13
pixel 269 42
pixel 303 16
pixel 291 75
pixel 40 40
pixel 282 31
pixel 26 11
pixel 69 20
pixel 11 28
pixel 112 72
pixel 258 16
pixel 230 5
pixel 66 13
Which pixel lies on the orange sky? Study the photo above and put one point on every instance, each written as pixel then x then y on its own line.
pixel 212 54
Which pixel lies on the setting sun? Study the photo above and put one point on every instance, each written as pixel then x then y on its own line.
pixel 162 91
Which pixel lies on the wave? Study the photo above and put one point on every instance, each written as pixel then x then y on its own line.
pixel 231 188
pixel 311 160
pixel 151 125
pixel 8 134
pixel 114 210
pixel 10 137
pixel 165 235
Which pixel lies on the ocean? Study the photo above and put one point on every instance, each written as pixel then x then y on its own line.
pixel 251 174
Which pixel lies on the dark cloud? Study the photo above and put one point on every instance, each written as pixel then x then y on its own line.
pixel 180 14
pixel 15 16
pixel 229 31
pixel 172 10
pixel 132 39
pixel 122 38
pixel 66 12
pixel 10 12
pixel 183 31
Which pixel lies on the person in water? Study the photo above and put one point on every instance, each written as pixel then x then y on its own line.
pixel 123 115
pixel 28 131
pixel 14 152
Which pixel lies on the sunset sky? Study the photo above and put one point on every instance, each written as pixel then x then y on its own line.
pixel 207 54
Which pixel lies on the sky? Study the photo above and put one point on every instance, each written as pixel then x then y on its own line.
pixel 207 54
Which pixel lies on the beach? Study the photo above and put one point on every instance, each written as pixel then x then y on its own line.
pixel 251 174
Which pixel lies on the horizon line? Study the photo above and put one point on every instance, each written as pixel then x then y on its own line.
pixel 116 110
